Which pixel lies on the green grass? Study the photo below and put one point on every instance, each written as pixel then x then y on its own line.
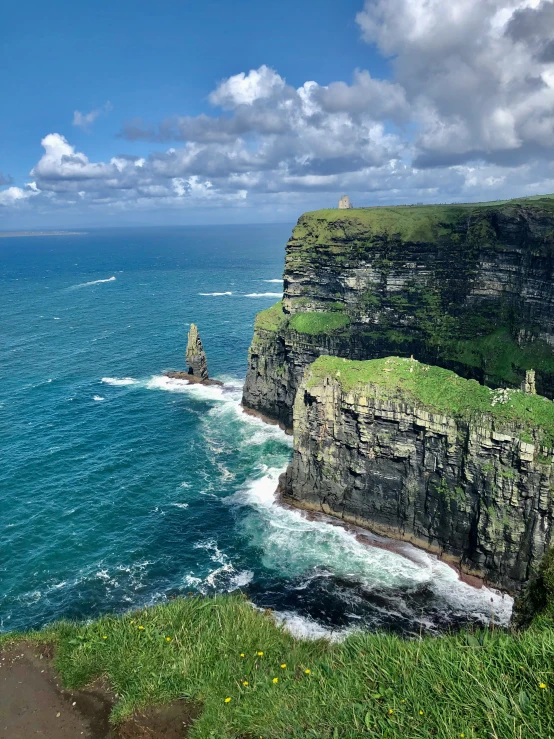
pixel 275 319
pixel 318 323
pixel 417 223
pixel 485 684
pixel 271 319
pixel 439 390
pixel 501 355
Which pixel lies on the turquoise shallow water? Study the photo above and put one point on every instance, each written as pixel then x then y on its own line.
pixel 119 487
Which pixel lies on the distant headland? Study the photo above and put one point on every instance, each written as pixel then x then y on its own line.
pixel 10 234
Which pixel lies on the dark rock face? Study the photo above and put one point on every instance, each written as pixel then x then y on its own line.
pixel 195 355
pixel 471 490
pixel 469 288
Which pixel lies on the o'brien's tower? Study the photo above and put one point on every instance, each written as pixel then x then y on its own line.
pixel 345 203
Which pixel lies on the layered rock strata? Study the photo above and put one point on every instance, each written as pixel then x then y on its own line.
pixel 420 454
pixel 196 360
pixel 195 355
pixel 466 287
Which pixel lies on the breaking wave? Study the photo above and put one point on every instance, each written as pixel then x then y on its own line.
pixel 264 295
pixel 94 282
pixel 119 381
pixel 213 295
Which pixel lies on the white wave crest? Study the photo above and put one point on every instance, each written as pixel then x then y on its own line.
pixel 180 505
pixel 214 295
pixel 98 397
pixel 264 295
pixel 293 543
pixel 305 628
pixel 202 392
pixel 94 282
pixel 279 280
pixel 119 381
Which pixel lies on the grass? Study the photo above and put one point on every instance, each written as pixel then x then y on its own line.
pixel 271 319
pixel 274 319
pixel 438 390
pixel 502 355
pixel 483 684
pixel 318 323
pixel 417 223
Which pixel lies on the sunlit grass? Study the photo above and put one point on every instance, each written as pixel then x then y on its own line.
pixel 254 679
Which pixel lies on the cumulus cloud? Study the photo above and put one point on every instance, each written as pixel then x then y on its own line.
pixel 478 75
pixel 85 120
pixel 468 114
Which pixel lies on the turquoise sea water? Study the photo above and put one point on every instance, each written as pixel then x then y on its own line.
pixel 119 487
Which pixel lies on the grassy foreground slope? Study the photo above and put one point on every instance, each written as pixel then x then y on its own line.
pixel 253 679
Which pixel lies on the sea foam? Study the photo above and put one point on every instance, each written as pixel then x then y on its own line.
pixel 264 295
pixel 93 282
pixel 119 381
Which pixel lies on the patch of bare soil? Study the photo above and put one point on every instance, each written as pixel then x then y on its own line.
pixel 33 704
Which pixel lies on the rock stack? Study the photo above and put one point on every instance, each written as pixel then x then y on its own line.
pixel 196 361
pixel 195 355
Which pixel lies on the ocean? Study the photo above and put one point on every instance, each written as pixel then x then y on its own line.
pixel 120 487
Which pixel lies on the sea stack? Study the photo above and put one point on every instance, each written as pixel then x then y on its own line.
pixel 195 355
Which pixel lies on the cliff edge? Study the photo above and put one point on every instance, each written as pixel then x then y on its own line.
pixel 418 453
pixel 466 287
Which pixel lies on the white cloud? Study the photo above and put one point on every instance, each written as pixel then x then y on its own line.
pixel 469 114
pixel 476 74
pixel 245 89
pixel 14 195
pixel 85 120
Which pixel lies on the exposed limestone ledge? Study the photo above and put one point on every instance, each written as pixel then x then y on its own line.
pixel 420 454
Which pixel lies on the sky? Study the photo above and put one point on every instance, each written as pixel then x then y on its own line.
pixel 153 112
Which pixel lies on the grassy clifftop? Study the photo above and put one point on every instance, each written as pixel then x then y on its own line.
pixel 253 679
pixel 416 223
pixel 438 390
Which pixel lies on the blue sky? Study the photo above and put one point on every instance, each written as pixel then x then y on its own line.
pixel 246 111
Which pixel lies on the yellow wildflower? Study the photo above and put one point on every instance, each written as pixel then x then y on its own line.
pixel 245 682
pixel 227 700
pixel 283 666
pixel 141 628
pixel 402 701
pixel 242 654
pixel 104 637
pixel 421 713
pixel 542 686
pixel 168 638
pixel 307 672
pixel 260 654
pixel 390 711
pixel 275 679
pixel 462 735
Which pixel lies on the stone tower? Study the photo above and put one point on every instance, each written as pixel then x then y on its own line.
pixel 345 203
pixel 528 385
pixel 195 356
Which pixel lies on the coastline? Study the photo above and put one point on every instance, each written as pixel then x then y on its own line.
pixel 383 537
pixel 16 234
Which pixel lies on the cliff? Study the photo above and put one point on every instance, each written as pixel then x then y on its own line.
pixel 418 453
pixel 466 287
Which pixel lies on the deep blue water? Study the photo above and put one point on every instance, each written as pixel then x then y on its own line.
pixel 119 487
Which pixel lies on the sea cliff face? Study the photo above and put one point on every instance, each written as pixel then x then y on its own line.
pixel 418 453
pixel 466 287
